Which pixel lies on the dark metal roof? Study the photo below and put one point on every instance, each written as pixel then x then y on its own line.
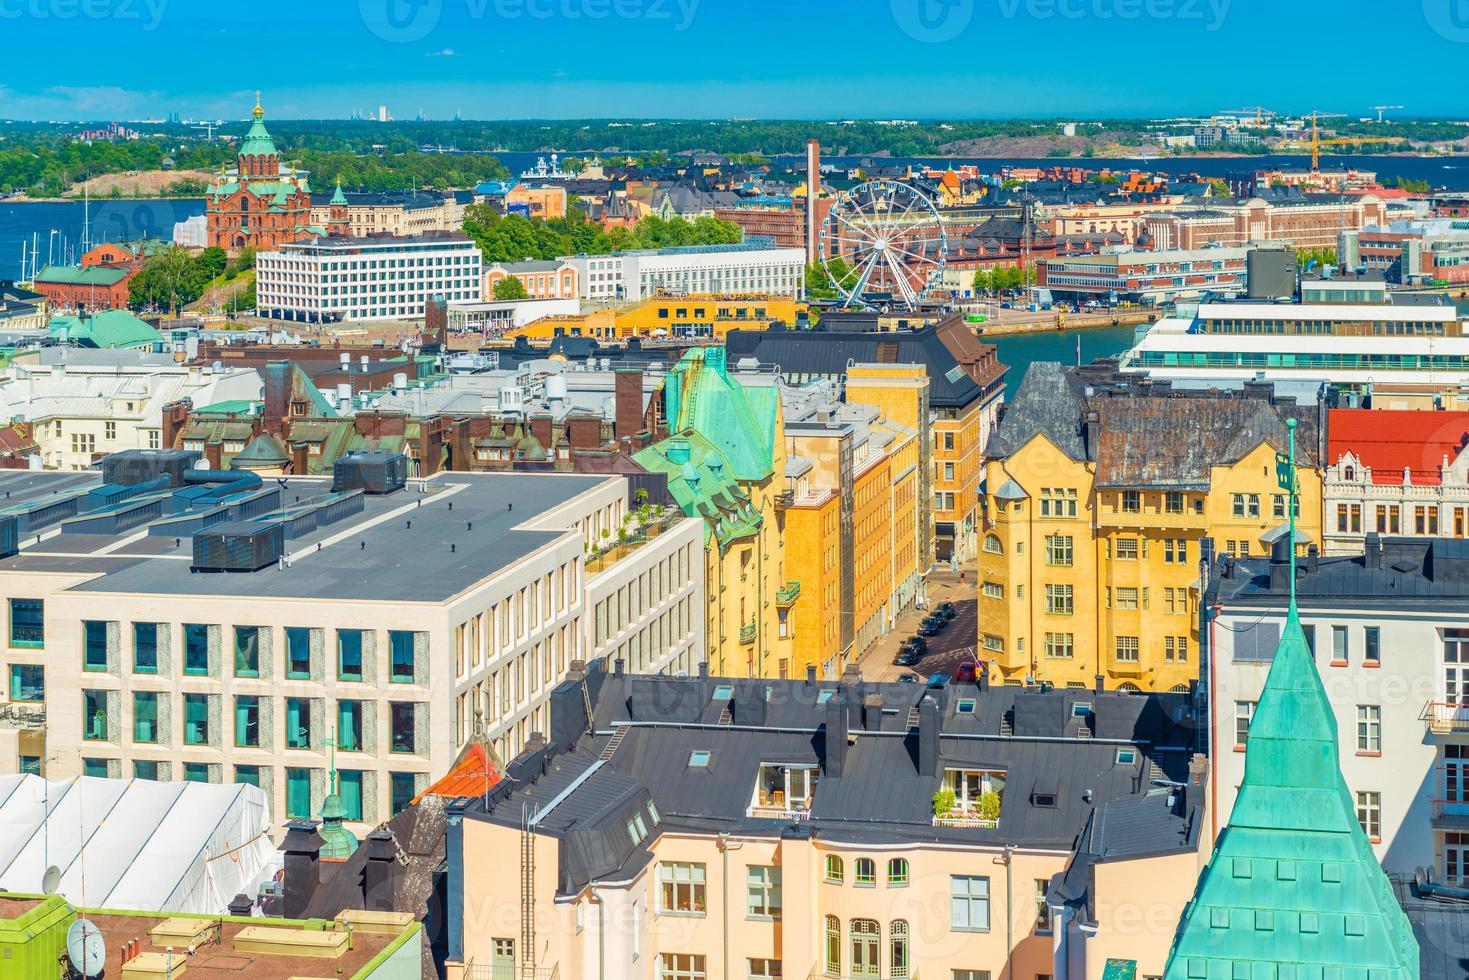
pixel 1401 573
pixel 878 792
pixel 1441 926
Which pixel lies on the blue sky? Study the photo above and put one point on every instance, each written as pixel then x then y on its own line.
pixel 99 59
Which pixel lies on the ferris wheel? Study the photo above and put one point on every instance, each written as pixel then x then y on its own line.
pixel 890 242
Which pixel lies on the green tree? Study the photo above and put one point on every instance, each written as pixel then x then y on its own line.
pixel 510 288
pixel 214 260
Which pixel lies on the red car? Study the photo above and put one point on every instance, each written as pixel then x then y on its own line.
pixel 968 672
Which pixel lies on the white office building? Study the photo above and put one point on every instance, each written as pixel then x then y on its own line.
pixel 323 280
pixel 1390 633
pixel 724 270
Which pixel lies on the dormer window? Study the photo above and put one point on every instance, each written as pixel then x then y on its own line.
pixel 783 790
pixel 1080 709
pixel 637 830
pixel 969 798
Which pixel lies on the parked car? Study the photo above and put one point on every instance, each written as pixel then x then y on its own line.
pixel 906 657
pixel 947 610
pixel 917 643
pixel 932 626
pixel 908 678
pixel 968 672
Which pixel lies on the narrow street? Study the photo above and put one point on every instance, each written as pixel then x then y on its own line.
pixel 951 647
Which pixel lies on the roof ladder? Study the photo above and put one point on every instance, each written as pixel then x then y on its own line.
pixel 527 892
pixel 586 700
pixel 1155 771
pixel 1083 730
pixel 1007 723
pixel 913 717
pixel 725 717
pixel 610 748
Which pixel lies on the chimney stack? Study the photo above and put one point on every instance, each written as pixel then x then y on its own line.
pixel 1374 550
pixel 302 847
pixel 836 736
pixel 872 712
pixel 377 875
pixel 928 736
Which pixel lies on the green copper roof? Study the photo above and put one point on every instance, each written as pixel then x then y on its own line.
pixel 110 328
pixel 257 142
pixel 700 396
pixel 263 450
pixel 339 199
pixel 80 275
pixel 1293 890
pixel 702 484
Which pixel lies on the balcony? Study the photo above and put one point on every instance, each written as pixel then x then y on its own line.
pixel 778 813
pixel 1125 668
pixel 785 500
pixel 788 594
pixel 604 557
pixel 1445 718
pixel 748 633
pixel 965 821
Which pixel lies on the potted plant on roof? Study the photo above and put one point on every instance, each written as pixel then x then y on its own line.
pixel 943 801
pixel 987 808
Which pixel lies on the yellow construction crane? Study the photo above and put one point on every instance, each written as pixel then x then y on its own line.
pixel 1317 142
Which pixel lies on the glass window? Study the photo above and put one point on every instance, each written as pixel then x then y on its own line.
pixel 248 774
pixel 1372 651
pixel 145 769
pixel 400 646
pixel 969 903
pixel 145 648
pixel 401 719
pixel 349 655
pixel 94 716
pixel 145 716
pixel 833 946
pixel 349 726
pixel 762 891
pixel 196 648
pixel 247 651
pixel 1042 907
pixel 298 793
pixel 1339 644
pixel 1243 712
pixel 1369 728
pixel 401 790
pixel 196 772
pixel 349 790
pixel 865 935
pixel 27 623
pixel 864 871
pixel 196 719
pixel 94 645
pixel 298 652
pixel 27 682
pixel 30 765
pixel 681 966
pixel 897 871
pixel 1369 814
pixel 681 888
pixel 898 949
pixel 247 721
pixel 298 723
pixel 834 871
pixel 96 767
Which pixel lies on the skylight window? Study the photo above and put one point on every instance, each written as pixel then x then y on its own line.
pixel 636 829
pixel 964 706
pixel 1080 709
pixel 698 759
pixel 1126 757
pixel 723 692
pixel 824 696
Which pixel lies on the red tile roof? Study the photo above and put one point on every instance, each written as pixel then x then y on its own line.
pixel 1387 442
pixel 474 773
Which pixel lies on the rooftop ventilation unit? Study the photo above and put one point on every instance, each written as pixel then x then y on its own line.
pixel 133 466
pixel 238 546
pixel 370 473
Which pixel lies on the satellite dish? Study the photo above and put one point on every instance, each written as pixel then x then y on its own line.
pixel 51 880
pixel 85 948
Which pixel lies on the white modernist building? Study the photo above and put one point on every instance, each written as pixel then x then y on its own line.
pixel 380 277
pixel 1390 632
pixel 1348 344
pixel 397 625
pixel 729 270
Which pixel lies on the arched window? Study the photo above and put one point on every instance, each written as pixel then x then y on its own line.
pixel 1129 688
pixel 864 872
pixel 1178 689
pixel 897 871
pixel 1350 474
pixel 993 546
pixel 833 946
pixel 833 868
pixel 866 942
pixel 898 949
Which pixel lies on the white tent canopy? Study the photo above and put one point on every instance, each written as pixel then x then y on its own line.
pixel 135 843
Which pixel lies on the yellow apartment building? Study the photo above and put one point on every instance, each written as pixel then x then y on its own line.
pixel 1096 507
pixel 706 316
pixel 725 459
pixel 853 537
pixel 707 828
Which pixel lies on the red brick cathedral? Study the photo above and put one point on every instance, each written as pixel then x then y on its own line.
pixel 259 204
